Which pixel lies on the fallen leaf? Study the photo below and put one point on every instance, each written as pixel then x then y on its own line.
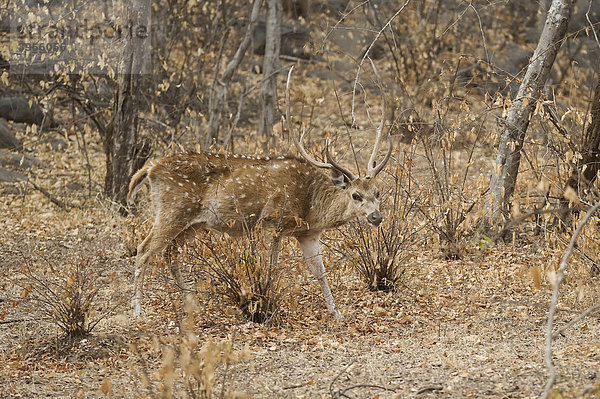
pixel 106 387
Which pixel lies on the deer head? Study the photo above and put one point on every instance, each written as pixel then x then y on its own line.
pixel 362 193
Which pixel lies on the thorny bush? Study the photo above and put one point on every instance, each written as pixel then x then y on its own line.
pixel 66 295
pixel 241 271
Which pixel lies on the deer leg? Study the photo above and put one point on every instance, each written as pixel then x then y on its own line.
pixel 153 244
pixel 145 250
pixel 174 264
pixel 311 248
pixel 181 239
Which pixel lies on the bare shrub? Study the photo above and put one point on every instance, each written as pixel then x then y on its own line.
pixel 241 271
pixel 451 208
pixel 189 368
pixel 67 296
pixel 379 254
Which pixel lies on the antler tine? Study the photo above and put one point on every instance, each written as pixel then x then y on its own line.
pixel 372 168
pixel 300 146
pixel 372 172
pixel 337 166
pixel 306 156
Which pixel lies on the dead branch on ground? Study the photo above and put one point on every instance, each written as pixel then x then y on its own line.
pixel 553 303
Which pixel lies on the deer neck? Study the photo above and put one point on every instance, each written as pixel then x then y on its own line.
pixel 328 206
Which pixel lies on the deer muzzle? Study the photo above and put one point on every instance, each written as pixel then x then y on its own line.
pixel 375 218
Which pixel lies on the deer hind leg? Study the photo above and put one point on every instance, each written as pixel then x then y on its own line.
pixel 173 264
pixel 162 234
pixel 311 248
pixel 183 237
pixel 144 251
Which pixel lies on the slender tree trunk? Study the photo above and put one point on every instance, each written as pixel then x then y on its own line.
pixel 124 151
pixel 543 6
pixel 586 170
pixel 504 176
pixel 218 94
pixel 270 71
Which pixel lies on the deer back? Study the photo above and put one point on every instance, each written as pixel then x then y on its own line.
pixel 233 193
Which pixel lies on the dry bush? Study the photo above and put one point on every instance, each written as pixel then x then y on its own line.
pixel 379 254
pixel 189 367
pixel 67 296
pixel 240 270
pixel 588 246
pixel 451 208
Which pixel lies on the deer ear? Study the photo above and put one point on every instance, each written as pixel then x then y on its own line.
pixel 338 178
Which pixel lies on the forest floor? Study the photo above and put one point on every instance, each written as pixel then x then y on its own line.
pixel 471 327
pixel 467 328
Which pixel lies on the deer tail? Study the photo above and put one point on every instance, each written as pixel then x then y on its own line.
pixel 136 182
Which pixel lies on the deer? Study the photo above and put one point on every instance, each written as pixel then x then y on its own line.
pixel 288 195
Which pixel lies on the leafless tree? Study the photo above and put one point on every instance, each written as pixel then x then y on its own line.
pixel 586 170
pixel 218 94
pixel 270 70
pixel 125 153
pixel 504 176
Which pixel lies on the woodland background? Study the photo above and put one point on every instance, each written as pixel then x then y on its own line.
pixel 450 297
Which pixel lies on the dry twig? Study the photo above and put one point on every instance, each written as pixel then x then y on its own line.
pixel 52 198
pixel 553 303
pixel 430 388
pixel 581 316
pixel 343 392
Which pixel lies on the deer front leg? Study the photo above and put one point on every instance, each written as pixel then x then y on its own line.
pixel 311 248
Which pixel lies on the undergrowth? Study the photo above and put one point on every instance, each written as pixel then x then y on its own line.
pixel 66 295
pixel 379 254
pixel 452 206
pixel 189 367
pixel 241 271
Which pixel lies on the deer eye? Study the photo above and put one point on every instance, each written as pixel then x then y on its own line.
pixel 356 197
pixel 377 194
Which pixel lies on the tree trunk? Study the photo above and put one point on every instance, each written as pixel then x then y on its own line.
pixel 504 176
pixel 586 171
pixel 270 71
pixel 543 6
pixel 124 151
pixel 218 94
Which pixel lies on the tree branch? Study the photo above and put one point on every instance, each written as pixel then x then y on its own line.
pixel 553 303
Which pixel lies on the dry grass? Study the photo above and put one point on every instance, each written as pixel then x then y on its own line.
pixel 64 294
pixel 453 327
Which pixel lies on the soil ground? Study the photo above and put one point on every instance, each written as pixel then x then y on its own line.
pixel 467 328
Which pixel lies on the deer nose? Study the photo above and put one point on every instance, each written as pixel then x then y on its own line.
pixel 375 218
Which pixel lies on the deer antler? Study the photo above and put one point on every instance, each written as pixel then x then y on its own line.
pixel 339 167
pixel 329 165
pixel 372 168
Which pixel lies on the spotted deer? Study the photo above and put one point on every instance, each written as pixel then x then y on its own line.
pixel 233 193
